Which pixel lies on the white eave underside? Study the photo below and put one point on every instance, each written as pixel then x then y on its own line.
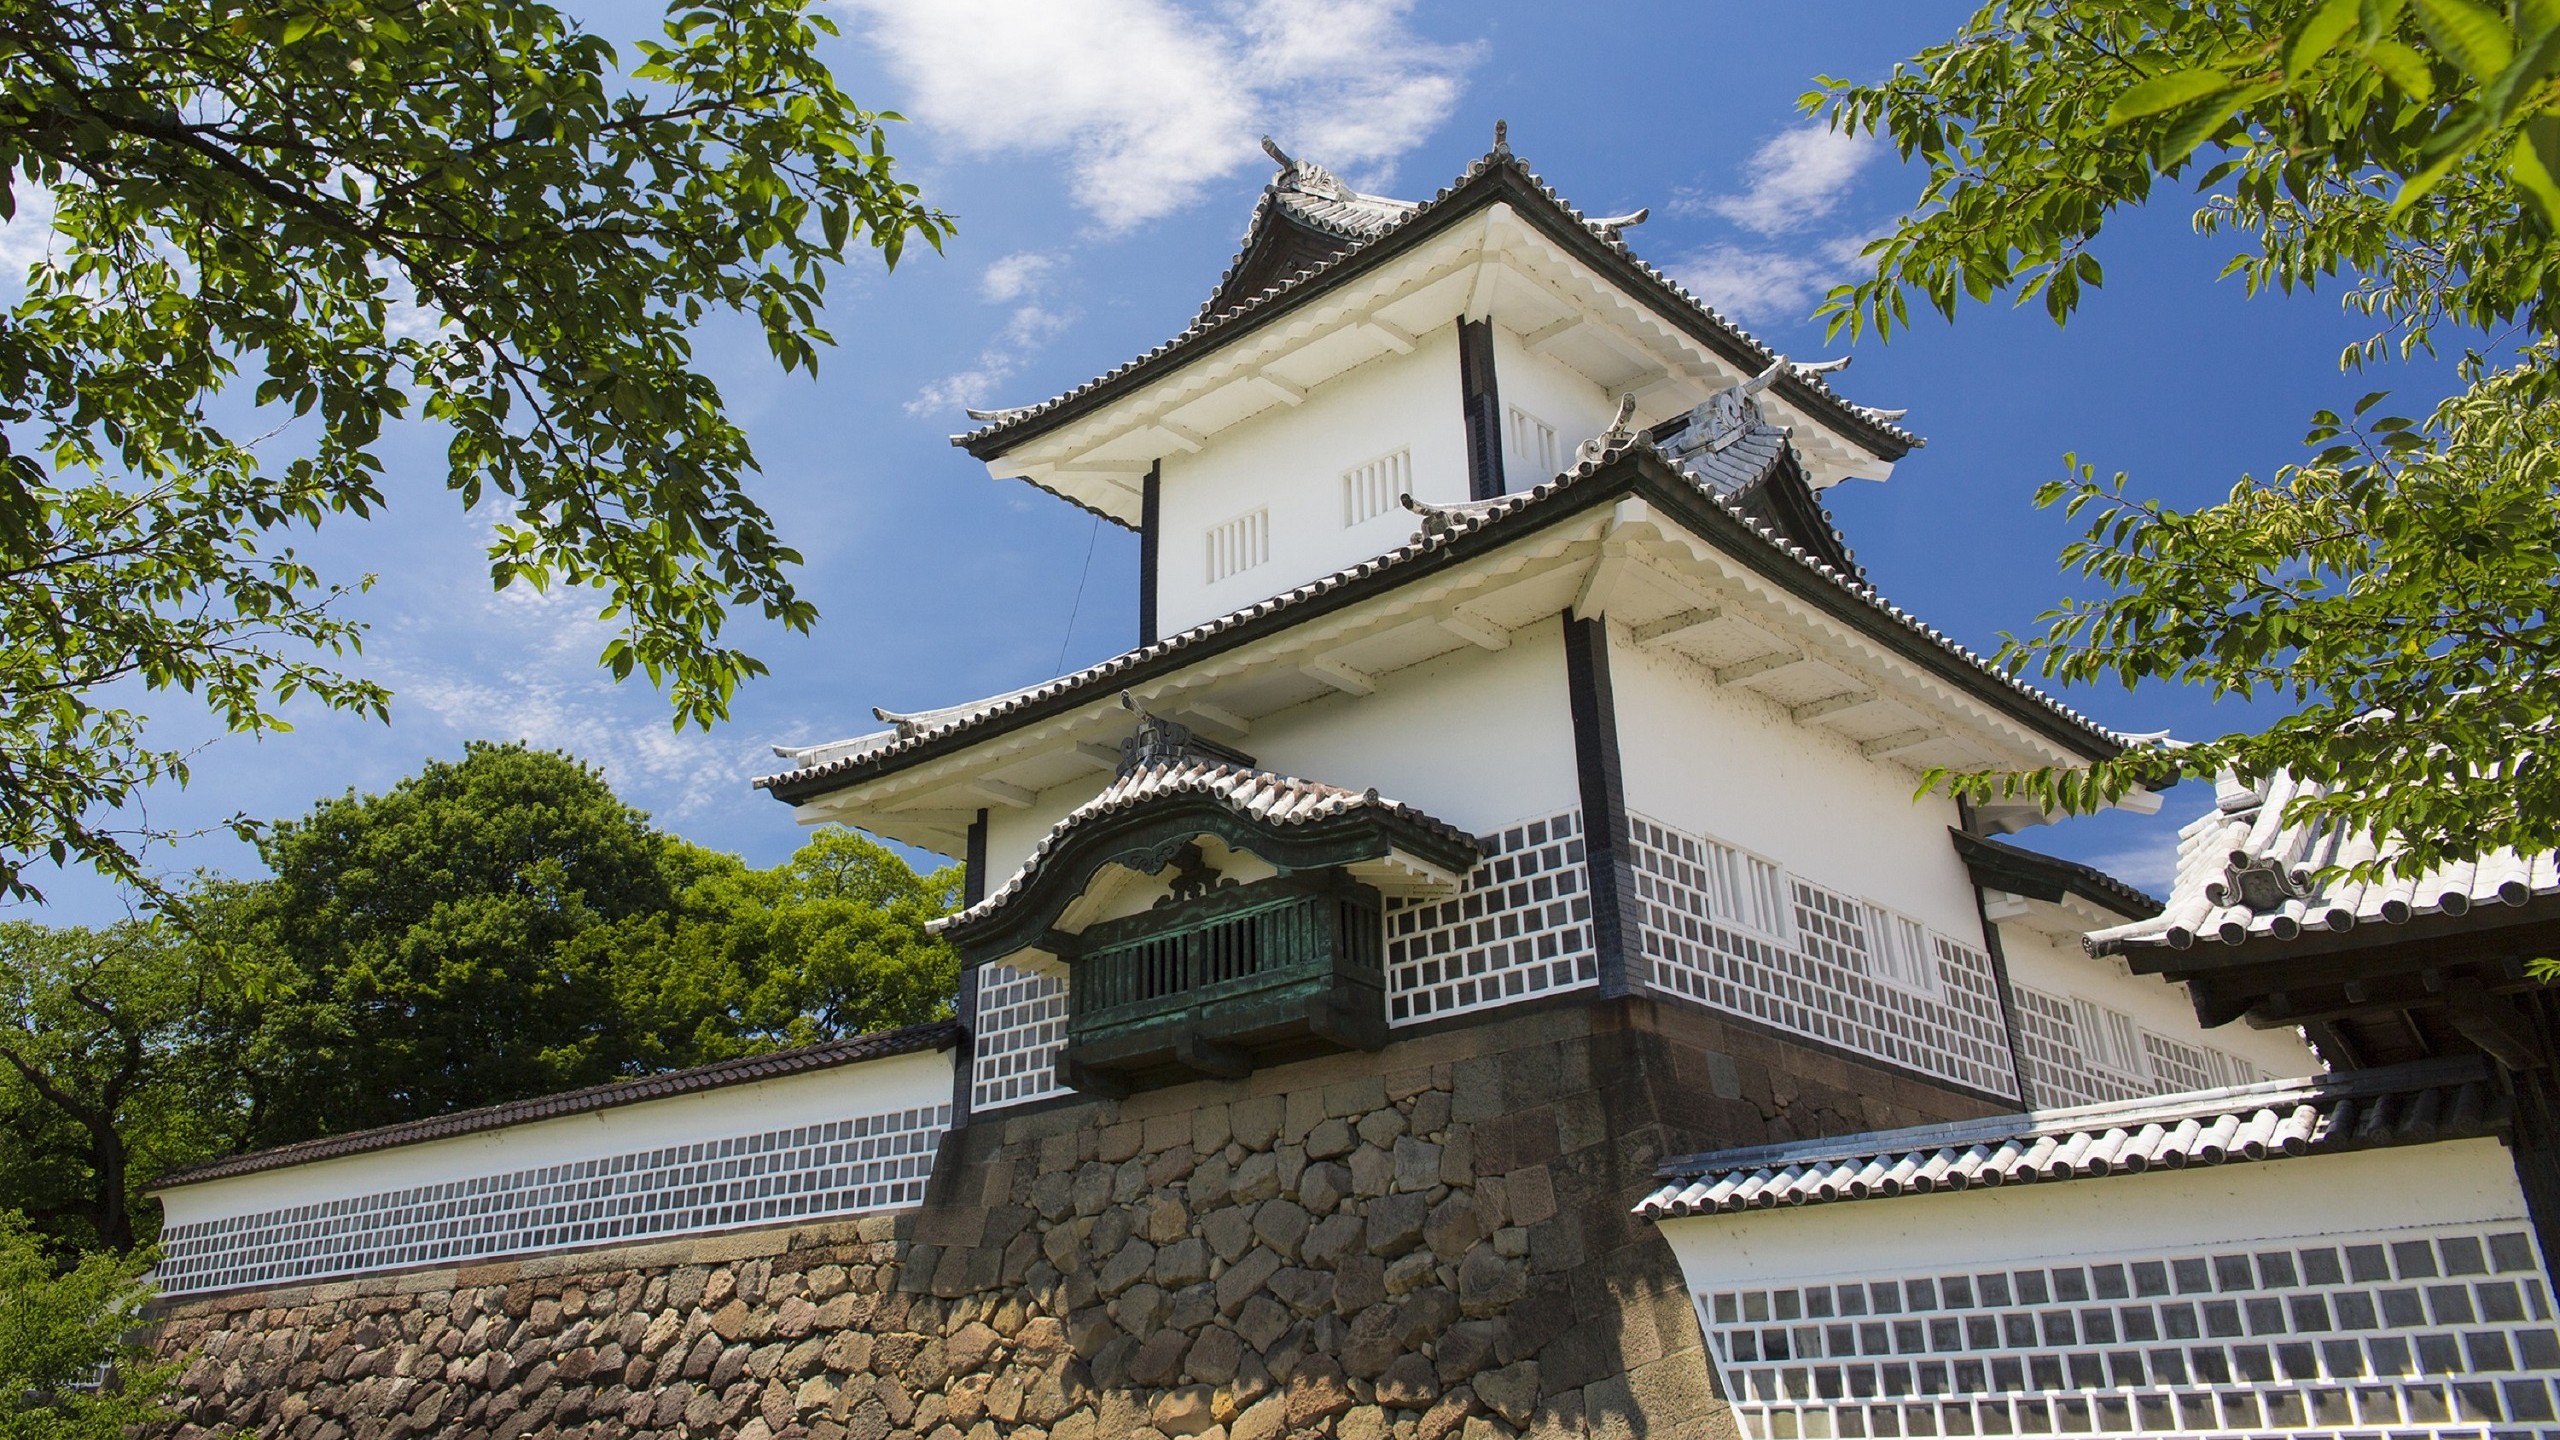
pixel 1666 588
pixel 1488 265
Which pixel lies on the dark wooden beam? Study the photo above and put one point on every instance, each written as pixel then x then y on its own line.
pixel 1480 397
pixel 1616 914
pixel 964 1006
pixel 1150 549
pixel 2493 1024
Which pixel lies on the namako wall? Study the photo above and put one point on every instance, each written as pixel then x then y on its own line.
pixel 1430 1242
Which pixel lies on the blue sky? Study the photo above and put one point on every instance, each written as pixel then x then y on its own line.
pixel 1101 158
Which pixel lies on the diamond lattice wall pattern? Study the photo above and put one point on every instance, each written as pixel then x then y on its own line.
pixel 842 1167
pixel 2422 1332
pixel 1828 984
pixel 1022 1022
pixel 1521 927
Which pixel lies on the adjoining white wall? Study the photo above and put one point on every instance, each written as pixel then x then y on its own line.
pixel 2365 1292
pixel 1553 392
pixel 2460 1182
pixel 857 1136
pixel 2057 966
pixel 1727 764
pixel 1290 461
pixel 1477 738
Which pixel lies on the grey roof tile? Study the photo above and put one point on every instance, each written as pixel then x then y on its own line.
pixel 1257 794
pixel 2247 874
pixel 746 1070
pixel 2329 1114
pixel 1364 224
pixel 883 751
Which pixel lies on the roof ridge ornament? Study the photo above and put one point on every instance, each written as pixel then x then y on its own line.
pixel 1620 434
pixel 997 415
pixel 1441 519
pixel 1613 225
pixel 1501 137
pixel 1730 413
pixel 1306 176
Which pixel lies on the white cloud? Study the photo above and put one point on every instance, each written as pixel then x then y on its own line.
pixel 1148 102
pixel 2152 868
pixel 1769 286
pixel 1795 180
pixel 1030 327
pixel 1015 276
pixel 530 674
pixel 26 238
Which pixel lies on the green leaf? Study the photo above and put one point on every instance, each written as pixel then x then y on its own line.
pixel 2320 33
pixel 2534 164
pixel 2539 60
pixel 2403 67
pixel 2471 34
pixel 2165 92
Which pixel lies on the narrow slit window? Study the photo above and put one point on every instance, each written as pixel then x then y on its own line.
pixel 1371 490
pixel 1533 444
pixel 1239 545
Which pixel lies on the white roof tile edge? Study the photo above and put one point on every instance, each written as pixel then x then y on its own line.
pixel 2274 1120
pixel 882 744
pixel 1258 794
pixel 2247 829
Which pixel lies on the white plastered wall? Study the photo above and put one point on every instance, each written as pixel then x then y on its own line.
pixel 2459 1182
pixel 1729 765
pixel 2059 967
pixel 1291 460
pixel 864 1088
pixel 1553 392
pixel 1476 738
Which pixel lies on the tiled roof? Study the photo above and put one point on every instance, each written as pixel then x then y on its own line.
pixel 2048 877
pixel 747 1070
pixel 2353 1110
pixel 884 751
pixel 1255 794
pixel 1222 315
pixel 2245 874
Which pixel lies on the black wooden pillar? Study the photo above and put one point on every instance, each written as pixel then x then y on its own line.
pixel 1150 550
pixel 1617 917
pixel 1482 399
pixel 973 888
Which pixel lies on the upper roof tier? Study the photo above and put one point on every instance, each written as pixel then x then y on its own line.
pixel 1330 278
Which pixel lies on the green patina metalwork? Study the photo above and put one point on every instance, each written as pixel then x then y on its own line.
pixel 1210 984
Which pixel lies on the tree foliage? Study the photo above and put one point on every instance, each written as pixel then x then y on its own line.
pixel 296 224
pixel 112 1069
pixel 68 1367
pixel 2393 585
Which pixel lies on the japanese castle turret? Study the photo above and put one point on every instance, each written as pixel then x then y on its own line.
pixel 1417 989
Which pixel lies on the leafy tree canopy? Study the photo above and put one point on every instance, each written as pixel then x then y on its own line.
pixel 111 1071
pixel 2392 587
pixel 505 926
pixel 334 216
pixel 58 1327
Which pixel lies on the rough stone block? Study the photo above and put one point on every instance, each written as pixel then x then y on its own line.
pixel 1356 1096
pixel 1245 1279
pixel 1395 1223
pixel 1209 1130
pixel 1317 1388
pixel 1417 1164
pixel 1121 1141
pixel 1373 1170
pixel 1229 1232
pixel 1281 1224
pixel 1256 1180
pixel 1323 1187
pixel 1128 1266
pixel 1452 1226
pixel 1359 1281
pixel 1510 1392
pixel 1408 1383
pixel 1255 1123
pixel 1214 1356
pixel 1529 1194
pixel 1381 1127
pixel 1159 1358
pixel 1330 1137
pixel 1184 1262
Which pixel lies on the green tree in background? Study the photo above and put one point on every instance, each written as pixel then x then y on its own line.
pixel 336 215
pixel 58 1328
pixel 830 943
pixel 504 926
pixel 2394 587
pixel 112 1069
pixel 489 929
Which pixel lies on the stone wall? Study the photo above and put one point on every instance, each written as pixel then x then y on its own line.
pixel 1427 1243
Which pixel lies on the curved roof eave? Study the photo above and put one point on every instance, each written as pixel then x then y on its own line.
pixel 1497 175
